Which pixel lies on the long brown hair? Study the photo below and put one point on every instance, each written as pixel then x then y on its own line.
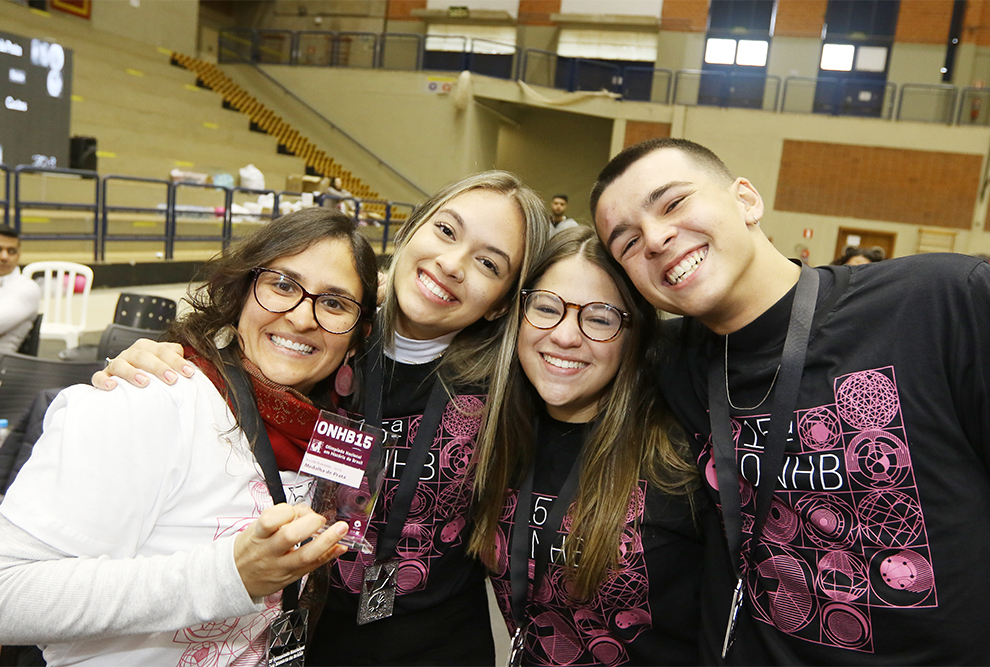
pixel 227 279
pixel 479 353
pixel 634 436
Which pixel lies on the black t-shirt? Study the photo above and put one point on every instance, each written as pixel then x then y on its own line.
pixel 645 613
pixel 874 549
pixel 440 615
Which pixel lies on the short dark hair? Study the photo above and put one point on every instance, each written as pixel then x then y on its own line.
pixel 701 156
pixel 564 197
pixel 7 230
pixel 874 254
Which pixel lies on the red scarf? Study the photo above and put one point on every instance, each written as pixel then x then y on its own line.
pixel 289 416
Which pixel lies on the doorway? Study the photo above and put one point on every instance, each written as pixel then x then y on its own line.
pixel 865 238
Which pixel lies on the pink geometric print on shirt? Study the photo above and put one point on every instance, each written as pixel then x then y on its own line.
pixel 437 513
pixel 859 546
pixel 565 632
pixel 232 641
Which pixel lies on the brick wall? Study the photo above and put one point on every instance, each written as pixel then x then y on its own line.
pixel 684 15
pixel 638 130
pixel 924 21
pixel 872 183
pixel 976 23
pixel 401 10
pixel 800 18
pixel 537 12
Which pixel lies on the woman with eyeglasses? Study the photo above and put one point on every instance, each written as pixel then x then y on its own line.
pixel 143 530
pixel 594 552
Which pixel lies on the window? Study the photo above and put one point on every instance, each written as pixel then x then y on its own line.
pixel 838 57
pixel 474 38
pixel 746 52
pixel 607 44
pixel 850 57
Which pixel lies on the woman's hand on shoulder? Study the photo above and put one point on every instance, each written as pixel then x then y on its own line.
pixel 144 357
pixel 269 554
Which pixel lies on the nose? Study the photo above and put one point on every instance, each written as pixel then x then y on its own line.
pixel 302 317
pixel 452 264
pixel 568 334
pixel 657 236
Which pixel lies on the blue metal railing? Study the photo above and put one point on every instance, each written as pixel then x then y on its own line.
pixel 931 103
pixel 19 204
pixel 105 235
pixel 401 51
pixel 172 212
pixel 974 107
pixel 6 193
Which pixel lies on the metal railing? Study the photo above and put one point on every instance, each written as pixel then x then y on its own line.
pixel 794 94
pixel 19 204
pixel 6 194
pixel 180 222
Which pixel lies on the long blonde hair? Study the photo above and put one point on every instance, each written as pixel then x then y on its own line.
pixel 633 438
pixel 479 353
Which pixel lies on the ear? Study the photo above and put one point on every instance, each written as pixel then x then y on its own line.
pixel 749 199
pixel 498 311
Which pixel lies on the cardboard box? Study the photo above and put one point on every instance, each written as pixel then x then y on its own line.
pixel 297 183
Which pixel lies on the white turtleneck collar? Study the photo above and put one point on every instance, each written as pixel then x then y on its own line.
pixel 410 351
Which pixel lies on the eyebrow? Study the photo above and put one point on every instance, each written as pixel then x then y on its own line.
pixel 330 289
pixel 490 248
pixel 648 201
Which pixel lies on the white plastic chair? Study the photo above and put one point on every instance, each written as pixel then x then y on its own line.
pixel 64 310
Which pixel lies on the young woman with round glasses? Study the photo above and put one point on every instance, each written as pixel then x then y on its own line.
pixel 599 508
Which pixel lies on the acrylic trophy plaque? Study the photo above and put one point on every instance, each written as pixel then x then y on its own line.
pixel 346 460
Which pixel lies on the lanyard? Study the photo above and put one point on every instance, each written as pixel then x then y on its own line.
pixel 519 558
pixel 724 450
pixel 425 435
pixel 250 420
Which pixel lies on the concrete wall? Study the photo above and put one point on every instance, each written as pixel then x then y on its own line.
pixel 170 24
pixel 558 142
pixel 557 151
pixel 430 138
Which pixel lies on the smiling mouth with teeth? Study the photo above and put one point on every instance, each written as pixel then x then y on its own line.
pixel 435 289
pixel 301 348
pixel 562 363
pixel 686 266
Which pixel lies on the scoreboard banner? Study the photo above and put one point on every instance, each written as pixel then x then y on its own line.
pixel 36 92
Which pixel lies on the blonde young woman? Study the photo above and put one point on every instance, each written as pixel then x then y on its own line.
pixel 142 531
pixel 599 511
pixel 449 303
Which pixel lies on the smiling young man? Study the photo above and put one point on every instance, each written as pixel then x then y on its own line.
pixel 846 411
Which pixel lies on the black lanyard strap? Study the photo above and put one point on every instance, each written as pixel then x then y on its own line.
pixel 519 554
pixel 784 402
pixel 246 410
pixel 425 435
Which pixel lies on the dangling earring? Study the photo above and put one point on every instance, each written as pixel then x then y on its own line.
pixel 343 383
pixel 224 336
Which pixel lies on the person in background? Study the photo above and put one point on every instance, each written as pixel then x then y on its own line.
pixel 19 295
pixel 558 214
pixel 840 419
pixel 604 473
pixel 141 531
pixel 854 256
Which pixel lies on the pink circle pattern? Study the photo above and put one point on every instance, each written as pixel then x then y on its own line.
pixel 845 625
pixel 879 458
pixel 829 522
pixel 819 429
pixel 867 400
pixel 890 518
pixel 842 576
